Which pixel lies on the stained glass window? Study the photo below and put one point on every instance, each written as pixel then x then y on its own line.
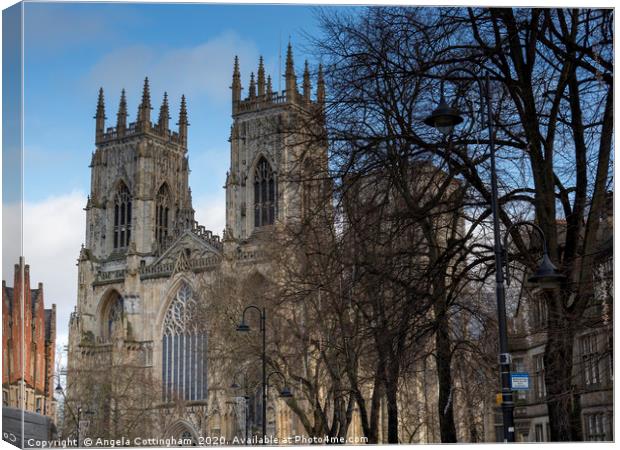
pixel 184 347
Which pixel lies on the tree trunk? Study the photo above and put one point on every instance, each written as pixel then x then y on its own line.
pixel 559 378
pixel 392 410
pixel 375 406
pixel 391 395
pixel 447 428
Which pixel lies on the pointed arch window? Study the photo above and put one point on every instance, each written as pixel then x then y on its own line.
pixel 122 217
pixel 184 348
pixel 112 324
pixel 162 214
pixel 264 194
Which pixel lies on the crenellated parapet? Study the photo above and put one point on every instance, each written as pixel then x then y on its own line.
pixel 261 94
pixel 143 124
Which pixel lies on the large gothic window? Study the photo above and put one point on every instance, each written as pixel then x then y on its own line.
pixel 122 217
pixel 264 194
pixel 162 214
pixel 184 348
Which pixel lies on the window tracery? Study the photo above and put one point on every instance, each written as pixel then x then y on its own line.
pixel 184 347
pixel 122 217
pixel 264 194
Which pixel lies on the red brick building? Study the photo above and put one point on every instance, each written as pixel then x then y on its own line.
pixel 28 345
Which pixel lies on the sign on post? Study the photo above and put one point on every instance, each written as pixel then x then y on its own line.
pixel 519 381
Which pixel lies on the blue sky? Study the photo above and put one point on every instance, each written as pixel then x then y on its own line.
pixel 71 49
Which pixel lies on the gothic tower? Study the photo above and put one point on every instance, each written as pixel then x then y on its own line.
pixel 140 274
pixel 270 143
pixel 139 181
pixel 147 271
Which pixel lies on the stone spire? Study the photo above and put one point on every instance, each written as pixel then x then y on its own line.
pixel 269 88
pixel 261 77
pixel 183 124
pixel 100 117
pixel 144 110
pixel 164 117
pixel 121 115
pixel 236 84
pixel 320 87
pixel 289 75
pixel 306 83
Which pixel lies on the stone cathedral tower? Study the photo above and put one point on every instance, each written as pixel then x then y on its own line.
pixel 146 263
pixel 139 182
pixel 268 150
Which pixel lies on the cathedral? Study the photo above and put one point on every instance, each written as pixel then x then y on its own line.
pixel 143 340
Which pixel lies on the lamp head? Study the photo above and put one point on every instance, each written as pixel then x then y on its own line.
pixel 58 389
pixel 243 327
pixel 444 118
pixel 235 386
pixel 286 392
pixel 547 275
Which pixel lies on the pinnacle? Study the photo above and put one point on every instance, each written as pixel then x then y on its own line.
pixel 163 110
pixel 252 86
pixel 289 58
pixel 236 66
pixel 122 106
pixel 146 94
pixel 100 104
pixel 183 112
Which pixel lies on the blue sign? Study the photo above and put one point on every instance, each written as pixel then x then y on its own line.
pixel 520 381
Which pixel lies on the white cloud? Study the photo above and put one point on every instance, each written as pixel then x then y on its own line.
pixel 211 212
pixel 53 231
pixel 204 69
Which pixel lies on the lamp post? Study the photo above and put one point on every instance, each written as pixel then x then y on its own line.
pixel 547 275
pixel 59 390
pixel 445 118
pixel 243 327
pixel 284 393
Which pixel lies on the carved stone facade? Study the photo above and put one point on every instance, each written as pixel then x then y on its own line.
pixel 146 263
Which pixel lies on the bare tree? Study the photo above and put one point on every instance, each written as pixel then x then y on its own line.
pixel 553 77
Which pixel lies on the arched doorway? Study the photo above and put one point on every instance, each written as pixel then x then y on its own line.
pixel 183 433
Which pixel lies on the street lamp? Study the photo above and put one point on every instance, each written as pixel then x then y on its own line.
pixel 286 391
pixel 547 276
pixel 445 118
pixel 59 390
pixel 243 327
